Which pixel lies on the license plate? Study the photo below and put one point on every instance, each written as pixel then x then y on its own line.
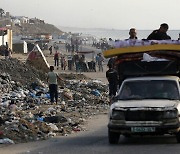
pixel 142 129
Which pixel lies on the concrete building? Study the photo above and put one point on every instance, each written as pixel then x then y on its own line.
pixel 44 36
pixel 6 37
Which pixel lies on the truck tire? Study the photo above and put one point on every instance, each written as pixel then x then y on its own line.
pixel 178 137
pixel 113 137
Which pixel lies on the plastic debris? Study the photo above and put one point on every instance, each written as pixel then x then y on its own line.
pixel 6 141
pixel 25 109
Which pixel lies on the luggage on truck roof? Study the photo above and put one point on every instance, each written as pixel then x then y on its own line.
pixel 130 60
pixel 141 49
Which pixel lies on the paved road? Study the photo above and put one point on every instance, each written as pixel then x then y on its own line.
pixel 95 141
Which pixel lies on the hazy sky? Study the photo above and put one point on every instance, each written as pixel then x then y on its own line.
pixel 117 14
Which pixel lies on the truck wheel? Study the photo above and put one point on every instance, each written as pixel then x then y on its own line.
pixel 113 137
pixel 178 137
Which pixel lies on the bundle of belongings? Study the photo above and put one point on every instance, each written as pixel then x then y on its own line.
pixel 146 57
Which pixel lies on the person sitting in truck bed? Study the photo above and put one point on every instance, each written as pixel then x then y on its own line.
pixel 160 34
pixel 133 33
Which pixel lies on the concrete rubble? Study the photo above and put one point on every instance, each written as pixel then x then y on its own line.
pixel 25 110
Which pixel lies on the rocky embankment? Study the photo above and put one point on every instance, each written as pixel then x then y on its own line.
pixel 25 111
pixel 26 29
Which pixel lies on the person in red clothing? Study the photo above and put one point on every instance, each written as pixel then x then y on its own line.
pixel 56 59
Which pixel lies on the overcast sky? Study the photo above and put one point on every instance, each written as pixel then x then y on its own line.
pixel 117 14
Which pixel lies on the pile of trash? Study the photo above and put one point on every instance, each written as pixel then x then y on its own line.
pixel 20 72
pixel 27 115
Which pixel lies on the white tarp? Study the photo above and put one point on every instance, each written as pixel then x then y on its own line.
pixel 25 47
pixel 148 58
pixel 37 59
pixel 44 58
pixel 135 42
pixel 3 40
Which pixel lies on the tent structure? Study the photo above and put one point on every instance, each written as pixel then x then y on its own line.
pixel 20 47
pixel 87 52
pixel 37 59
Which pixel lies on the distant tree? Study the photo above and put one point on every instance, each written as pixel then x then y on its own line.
pixel 1 12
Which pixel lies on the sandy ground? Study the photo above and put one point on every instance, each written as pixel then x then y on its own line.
pixel 90 125
pixel 94 75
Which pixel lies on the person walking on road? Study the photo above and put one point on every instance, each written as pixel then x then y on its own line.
pixel 112 61
pixel 50 49
pixel 100 62
pixel 112 77
pixel 53 87
pixel 63 63
pixel 56 59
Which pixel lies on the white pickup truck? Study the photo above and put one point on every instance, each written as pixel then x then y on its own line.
pixel 148 105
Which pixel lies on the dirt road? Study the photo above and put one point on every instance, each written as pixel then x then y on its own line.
pixel 94 75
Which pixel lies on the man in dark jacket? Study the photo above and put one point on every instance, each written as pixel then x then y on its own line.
pixel 112 77
pixel 112 61
pixel 160 34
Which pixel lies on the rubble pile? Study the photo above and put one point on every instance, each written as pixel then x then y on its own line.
pixel 20 72
pixel 27 115
pixel 72 76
